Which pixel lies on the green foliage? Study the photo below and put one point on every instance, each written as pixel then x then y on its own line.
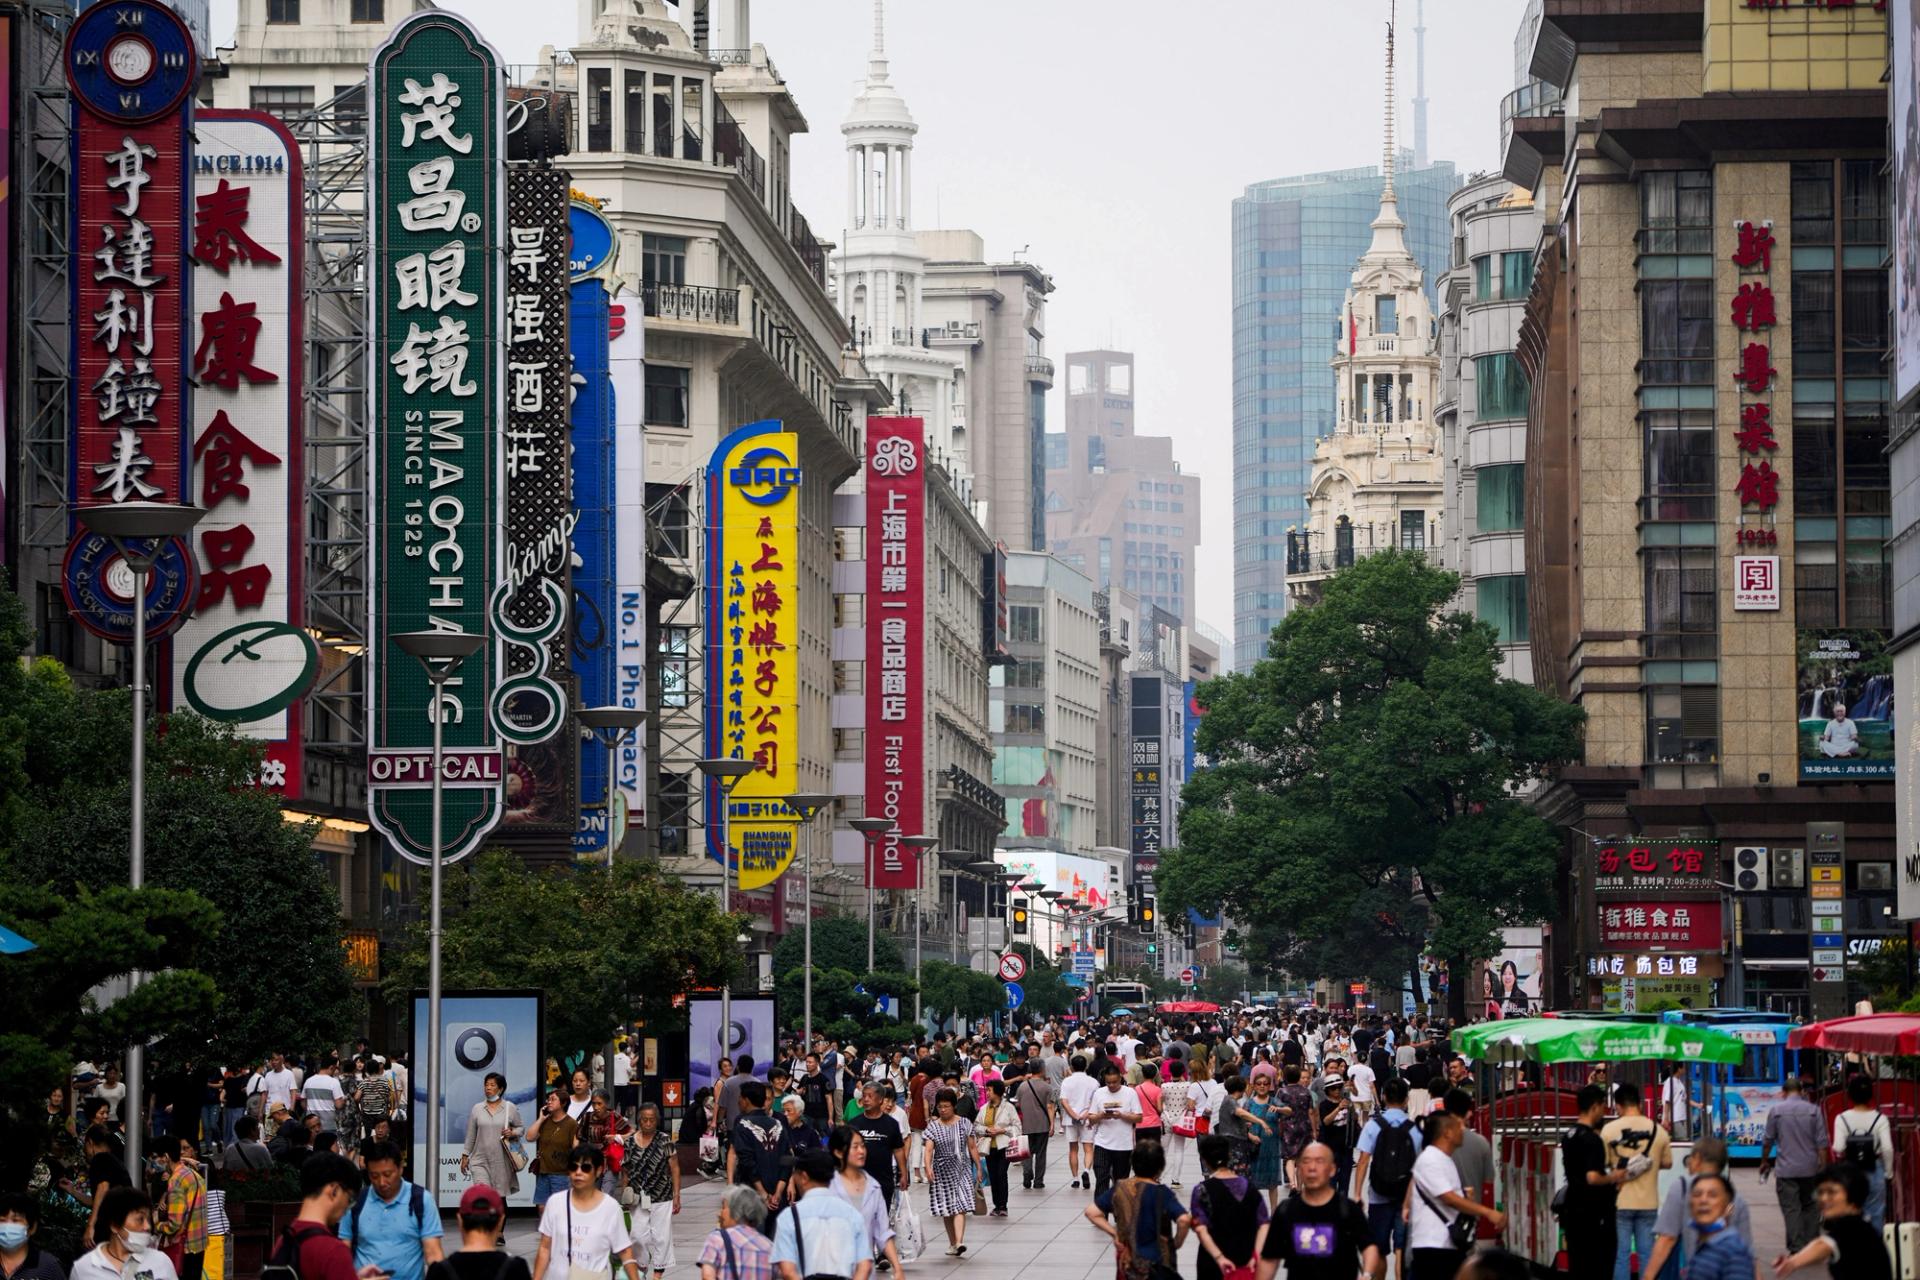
pixel 605 946
pixel 836 999
pixel 1359 807
pixel 1045 990
pixel 949 990
pixel 839 942
pixel 1888 973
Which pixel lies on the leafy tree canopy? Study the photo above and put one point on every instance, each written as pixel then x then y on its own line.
pixel 1360 801
pixel 949 990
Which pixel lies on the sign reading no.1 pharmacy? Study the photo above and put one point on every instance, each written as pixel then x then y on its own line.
pixel 437 200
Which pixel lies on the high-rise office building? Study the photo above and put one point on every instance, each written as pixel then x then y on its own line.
pixel 1295 241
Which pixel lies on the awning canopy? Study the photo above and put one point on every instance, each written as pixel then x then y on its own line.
pixel 1868 1033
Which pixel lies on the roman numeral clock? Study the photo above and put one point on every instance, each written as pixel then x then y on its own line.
pixel 132 61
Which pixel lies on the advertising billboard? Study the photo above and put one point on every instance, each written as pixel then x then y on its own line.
pixel 1640 865
pixel 1513 977
pixel 752 1032
pixel 752 643
pixel 480 1032
pixel 244 657
pixel 1081 880
pixel 1844 705
pixel 595 543
pixel 436 402
pixel 1660 925
pixel 1903 16
pixel 896 647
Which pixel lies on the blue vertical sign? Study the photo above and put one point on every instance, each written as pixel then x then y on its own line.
pixel 595 533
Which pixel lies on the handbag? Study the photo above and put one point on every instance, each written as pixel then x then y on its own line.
pixel 1017 1148
pixel 909 1236
pixel 979 1200
pixel 1460 1227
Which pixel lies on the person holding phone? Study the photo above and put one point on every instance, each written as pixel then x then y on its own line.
pixel 1115 1110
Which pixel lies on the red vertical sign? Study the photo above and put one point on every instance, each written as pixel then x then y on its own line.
pixel 896 621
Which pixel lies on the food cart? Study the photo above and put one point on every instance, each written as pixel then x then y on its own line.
pixel 1536 1066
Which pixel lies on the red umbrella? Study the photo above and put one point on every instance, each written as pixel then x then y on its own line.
pixel 1189 1006
pixel 1884 1033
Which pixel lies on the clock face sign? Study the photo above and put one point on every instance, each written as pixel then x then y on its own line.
pixel 247 672
pixel 131 60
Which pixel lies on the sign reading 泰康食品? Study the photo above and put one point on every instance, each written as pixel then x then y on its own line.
pixel 752 642
pixel 436 403
pixel 245 657
pixel 131 66
pixel 896 605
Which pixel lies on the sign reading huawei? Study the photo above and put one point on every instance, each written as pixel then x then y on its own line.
pixel 896 619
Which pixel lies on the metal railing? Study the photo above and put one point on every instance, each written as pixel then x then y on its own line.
pixel 691 303
pixel 807 245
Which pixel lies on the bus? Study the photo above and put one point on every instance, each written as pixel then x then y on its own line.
pixel 1743 1094
pixel 1124 995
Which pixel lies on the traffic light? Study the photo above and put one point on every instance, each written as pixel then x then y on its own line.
pixel 1020 919
pixel 1147 915
pixel 1153 948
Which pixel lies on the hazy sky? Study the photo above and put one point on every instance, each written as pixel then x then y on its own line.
pixel 1108 139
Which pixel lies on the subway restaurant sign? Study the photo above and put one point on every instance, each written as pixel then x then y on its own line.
pixel 437 194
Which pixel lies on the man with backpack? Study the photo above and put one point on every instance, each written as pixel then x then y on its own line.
pixel 309 1250
pixel 390 1223
pixel 1388 1147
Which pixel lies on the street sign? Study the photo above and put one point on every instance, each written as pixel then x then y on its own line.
pixel 1013 967
pixel 1083 961
pixel 1829 955
pixel 1826 891
pixel 1834 974
pixel 1826 924
pixel 1014 995
pixel 1828 940
pixel 1188 977
pixel 673 1093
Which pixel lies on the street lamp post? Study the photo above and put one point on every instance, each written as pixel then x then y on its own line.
pixel 807 804
pixel 870 830
pixel 921 846
pixel 727 772
pixel 440 654
pixel 139 531
pixel 612 725
pixel 1032 889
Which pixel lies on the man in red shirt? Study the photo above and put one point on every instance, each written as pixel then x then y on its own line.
pixel 328 1184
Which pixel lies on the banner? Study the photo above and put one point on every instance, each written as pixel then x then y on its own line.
pixel 481 1032
pixel 1641 865
pixel 752 658
pixel 132 67
pixel 1513 978
pixel 595 546
pixel 627 374
pixel 896 645
pixel 751 1033
pixel 1844 703
pixel 436 401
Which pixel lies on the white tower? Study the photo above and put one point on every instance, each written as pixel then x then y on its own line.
pixel 878 275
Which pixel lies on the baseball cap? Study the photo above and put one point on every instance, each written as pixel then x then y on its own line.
pixel 482 1200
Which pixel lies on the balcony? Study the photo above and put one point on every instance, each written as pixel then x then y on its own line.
pixel 1040 369
pixel 807 245
pixel 691 304
pixel 952 331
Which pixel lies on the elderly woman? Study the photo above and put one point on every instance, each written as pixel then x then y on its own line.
pixel 737 1249
pixel 952 1155
pixel 653 1172
pixel 491 1125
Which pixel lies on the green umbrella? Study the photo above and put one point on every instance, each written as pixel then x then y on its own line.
pixel 1555 1040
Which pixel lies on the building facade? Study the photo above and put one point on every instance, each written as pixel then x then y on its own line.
pixel 1119 509
pixel 1482 414
pixel 1045 707
pixel 1707 491
pixel 1295 241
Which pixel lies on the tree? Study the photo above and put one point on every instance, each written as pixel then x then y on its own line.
pixel 1045 989
pixel 951 990
pixel 1359 806
pixel 605 946
pixel 48 1021
pixel 839 942
pixel 276 961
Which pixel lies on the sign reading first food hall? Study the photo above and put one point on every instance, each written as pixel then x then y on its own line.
pixel 435 168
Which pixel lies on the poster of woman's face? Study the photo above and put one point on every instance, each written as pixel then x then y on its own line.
pixel 1513 985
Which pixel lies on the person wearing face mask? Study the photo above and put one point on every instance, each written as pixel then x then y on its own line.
pixel 20 1257
pixel 1722 1255
pixel 124 1227
pixel 491 1126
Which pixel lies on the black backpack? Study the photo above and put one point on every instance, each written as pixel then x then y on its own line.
pixel 1393 1155
pixel 1862 1151
pixel 285 1262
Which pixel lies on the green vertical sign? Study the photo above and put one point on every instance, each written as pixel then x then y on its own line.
pixel 436 185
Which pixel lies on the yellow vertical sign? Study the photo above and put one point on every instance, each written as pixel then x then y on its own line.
pixel 753 635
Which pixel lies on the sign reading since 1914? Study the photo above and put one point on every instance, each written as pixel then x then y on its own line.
pixel 435 132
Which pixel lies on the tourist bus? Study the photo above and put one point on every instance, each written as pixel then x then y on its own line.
pixel 1124 995
pixel 1742 1095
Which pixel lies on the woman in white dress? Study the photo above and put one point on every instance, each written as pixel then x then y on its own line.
pixel 583 1230
pixel 491 1124
pixel 1176 1114
pixel 854 1185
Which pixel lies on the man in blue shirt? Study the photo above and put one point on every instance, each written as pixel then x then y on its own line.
pixel 1384 1158
pixel 393 1225
pixel 820 1234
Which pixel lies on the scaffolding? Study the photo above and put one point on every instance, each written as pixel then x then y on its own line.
pixel 41 335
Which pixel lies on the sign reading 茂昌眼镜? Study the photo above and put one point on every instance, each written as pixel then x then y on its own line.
pixel 752 642
pixel 436 404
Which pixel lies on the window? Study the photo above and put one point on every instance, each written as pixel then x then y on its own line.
pixel 283 10
pixel 1680 589
pixel 599 108
pixel 1502 601
pixel 1120 379
pixel 633 110
pixel 672 520
pixel 1023 623
pixel 1027 673
pixel 1342 543
pixel 1500 387
pixel 1863 202
pixel 1683 734
pixel 1812 188
pixel 1863 320
pixel 368 10
pixel 1816 584
pixel 675 804
pixel 1676 212
pixel 1483 278
pixel 1816 461
pixel 663 260
pixel 1056 450
pixel 1385 319
pixel 849 610
pixel 676 666
pixel 1813 323
pixel 1676 331
pixel 1096 455
pixel 1680 459
pixel 281 99
pixel 1024 718
pixel 1516 274
pixel 667 387
pixel 849 677
pixel 1500 497
pixel 662 115
pixel 693 115
pixel 849 744
pixel 1413 531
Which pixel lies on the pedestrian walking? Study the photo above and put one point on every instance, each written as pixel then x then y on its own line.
pixel 652 1173
pixel 493 1133
pixel 999 1122
pixel 1587 1212
pixel 391 1226
pixel 952 1152
pixel 860 1189
pixel 1723 1255
pixel 1116 1109
pixel 1441 1216
pixel 1229 1213
pixel 1149 1224
pixel 1038 1104
pixel 483 1220
pixel 123 1221
pixel 554 1134
pixel 583 1230
pixel 820 1234
pixel 1863 1138
pixel 1076 1096
pixel 1709 1155
pixel 181 1223
pixel 737 1249
pixel 1640 1145
pixel 1849 1244
pixel 1797 1130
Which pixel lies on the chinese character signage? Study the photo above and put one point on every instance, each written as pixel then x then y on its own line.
pixel 1844 703
pixel 438 414
pixel 752 642
pixel 1660 925
pixel 1756 433
pixel 1756 582
pixel 1147 769
pixel 896 641
pixel 1639 865
pixel 1904 19
pixel 132 66
pixel 1661 965
pixel 244 657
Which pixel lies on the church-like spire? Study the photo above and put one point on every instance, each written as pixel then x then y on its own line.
pixel 1388 240
pixel 877 59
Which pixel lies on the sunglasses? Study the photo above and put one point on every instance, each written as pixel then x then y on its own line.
pixel 583 1168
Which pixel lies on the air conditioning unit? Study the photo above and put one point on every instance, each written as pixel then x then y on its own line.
pixel 954 328
pixel 1876 875
pixel 1789 869
pixel 1750 868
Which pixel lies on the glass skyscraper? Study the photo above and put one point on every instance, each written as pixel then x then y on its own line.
pixel 1295 242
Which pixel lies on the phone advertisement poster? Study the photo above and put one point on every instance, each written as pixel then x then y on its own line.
pixel 752 1033
pixel 481 1032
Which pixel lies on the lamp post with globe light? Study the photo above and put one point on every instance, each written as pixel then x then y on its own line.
pixel 726 771
pixel 807 804
pixel 139 531
pixel 440 654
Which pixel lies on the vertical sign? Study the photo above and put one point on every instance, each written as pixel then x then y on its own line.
pixel 896 644
pixel 594 545
pixel 1148 762
pixel 6 264
pixel 626 372
pixel 245 657
pixel 435 133
pixel 132 66
pixel 1826 900
pixel 1756 569
pixel 753 633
